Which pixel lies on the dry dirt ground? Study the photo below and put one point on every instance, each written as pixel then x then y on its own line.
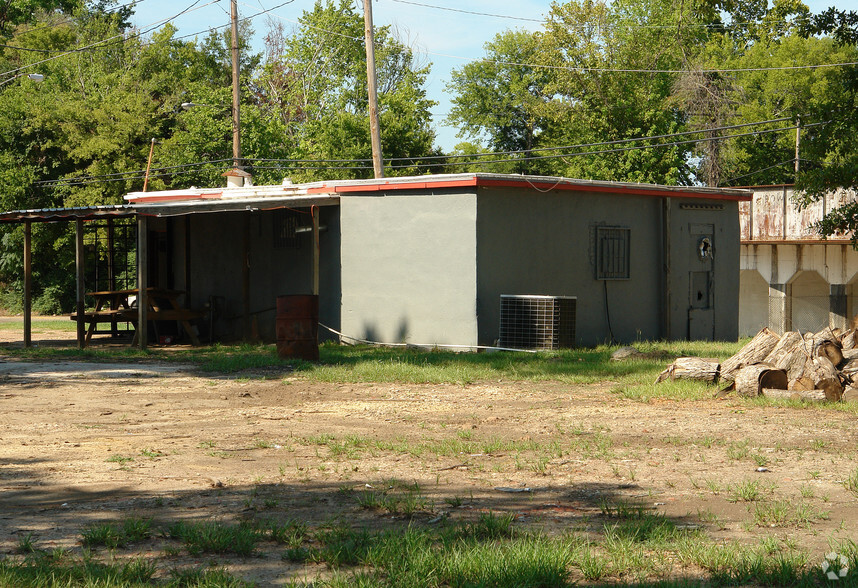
pixel 83 443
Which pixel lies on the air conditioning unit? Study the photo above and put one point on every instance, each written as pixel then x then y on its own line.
pixel 537 322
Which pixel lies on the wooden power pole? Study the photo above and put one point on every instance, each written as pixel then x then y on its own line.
pixel 375 131
pixel 236 126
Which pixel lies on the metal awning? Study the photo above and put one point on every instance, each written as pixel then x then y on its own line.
pixel 47 215
pixel 183 207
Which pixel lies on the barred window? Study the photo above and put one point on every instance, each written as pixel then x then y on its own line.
pixel 612 253
pixel 285 229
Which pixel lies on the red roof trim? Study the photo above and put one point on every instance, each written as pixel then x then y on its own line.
pixel 538 184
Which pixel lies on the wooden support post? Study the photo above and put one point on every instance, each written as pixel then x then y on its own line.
pixel 187 261
pixel 81 290
pixel 142 282
pixel 245 278
pixel 314 212
pixel 28 282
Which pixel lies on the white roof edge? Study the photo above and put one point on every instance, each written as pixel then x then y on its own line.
pixel 319 187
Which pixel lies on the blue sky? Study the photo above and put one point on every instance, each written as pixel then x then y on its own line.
pixel 446 38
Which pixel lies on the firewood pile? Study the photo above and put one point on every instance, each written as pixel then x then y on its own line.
pixel 816 367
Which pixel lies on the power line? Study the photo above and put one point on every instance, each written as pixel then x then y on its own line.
pixel 582 69
pixel 459 10
pixel 418 162
pixel 718 25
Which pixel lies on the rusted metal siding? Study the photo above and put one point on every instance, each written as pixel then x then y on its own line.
pixel 773 215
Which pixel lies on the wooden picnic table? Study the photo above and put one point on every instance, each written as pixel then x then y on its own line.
pixel 112 306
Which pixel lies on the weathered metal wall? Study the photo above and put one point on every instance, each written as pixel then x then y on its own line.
pixel 774 215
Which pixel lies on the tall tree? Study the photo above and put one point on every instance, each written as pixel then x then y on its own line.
pixel 499 98
pixel 314 81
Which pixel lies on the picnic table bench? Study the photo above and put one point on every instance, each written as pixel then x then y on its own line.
pixel 113 306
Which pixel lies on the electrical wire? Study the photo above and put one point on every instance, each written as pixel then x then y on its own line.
pixel 624 26
pixel 243 19
pixel 307 164
pixel 759 171
pixel 461 11
pixel 424 345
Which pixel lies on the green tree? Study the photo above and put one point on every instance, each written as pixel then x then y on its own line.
pixel 499 98
pixel 314 81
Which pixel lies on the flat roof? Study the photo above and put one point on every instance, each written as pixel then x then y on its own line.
pixel 314 193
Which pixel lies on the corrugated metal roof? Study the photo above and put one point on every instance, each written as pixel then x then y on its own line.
pixel 66 214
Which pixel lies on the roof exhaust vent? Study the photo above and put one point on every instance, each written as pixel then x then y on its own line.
pixel 236 178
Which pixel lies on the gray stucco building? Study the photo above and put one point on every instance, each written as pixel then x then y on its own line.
pixel 426 259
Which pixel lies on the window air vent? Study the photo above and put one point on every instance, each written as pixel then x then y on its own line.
pixel 537 322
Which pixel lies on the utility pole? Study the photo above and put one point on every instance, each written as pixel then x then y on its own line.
pixel 797 141
pixel 374 130
pixel 236 127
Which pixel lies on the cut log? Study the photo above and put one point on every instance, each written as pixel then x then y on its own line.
pixel 849 395
pixel 847 340
pixel 755 351
pixel 691 368
pixel 800 384
pixel 825 377
pixel 751 379
pixel 789 354
pixel 806 395
pixel 829 348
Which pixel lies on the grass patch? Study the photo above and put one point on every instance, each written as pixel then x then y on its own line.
pixel 785 513
pixel 110 535
pixel 48 571
pixel 211 537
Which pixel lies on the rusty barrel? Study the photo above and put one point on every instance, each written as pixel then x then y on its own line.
pixel 298 326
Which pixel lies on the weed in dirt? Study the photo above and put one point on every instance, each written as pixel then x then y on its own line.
pixel 151 453
pixel 745 491
pixel 111 535
pixel 760 460
pixel 713 485
pixel 204 578
pixel 454 501
pixel 207 445
pixel 25 544
pixel 622 509
pixel 851 482
pixel 488 527
pixel 48 571
pixel 814 474
pixel 738 450
pixel 785 513
pixel 708 516
pixel 291 533
pixel 340 546
pixel 592 566
pixel 222 454
pixel 120 459
pixel 405 503
pixel 214 537
pixel 807 491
